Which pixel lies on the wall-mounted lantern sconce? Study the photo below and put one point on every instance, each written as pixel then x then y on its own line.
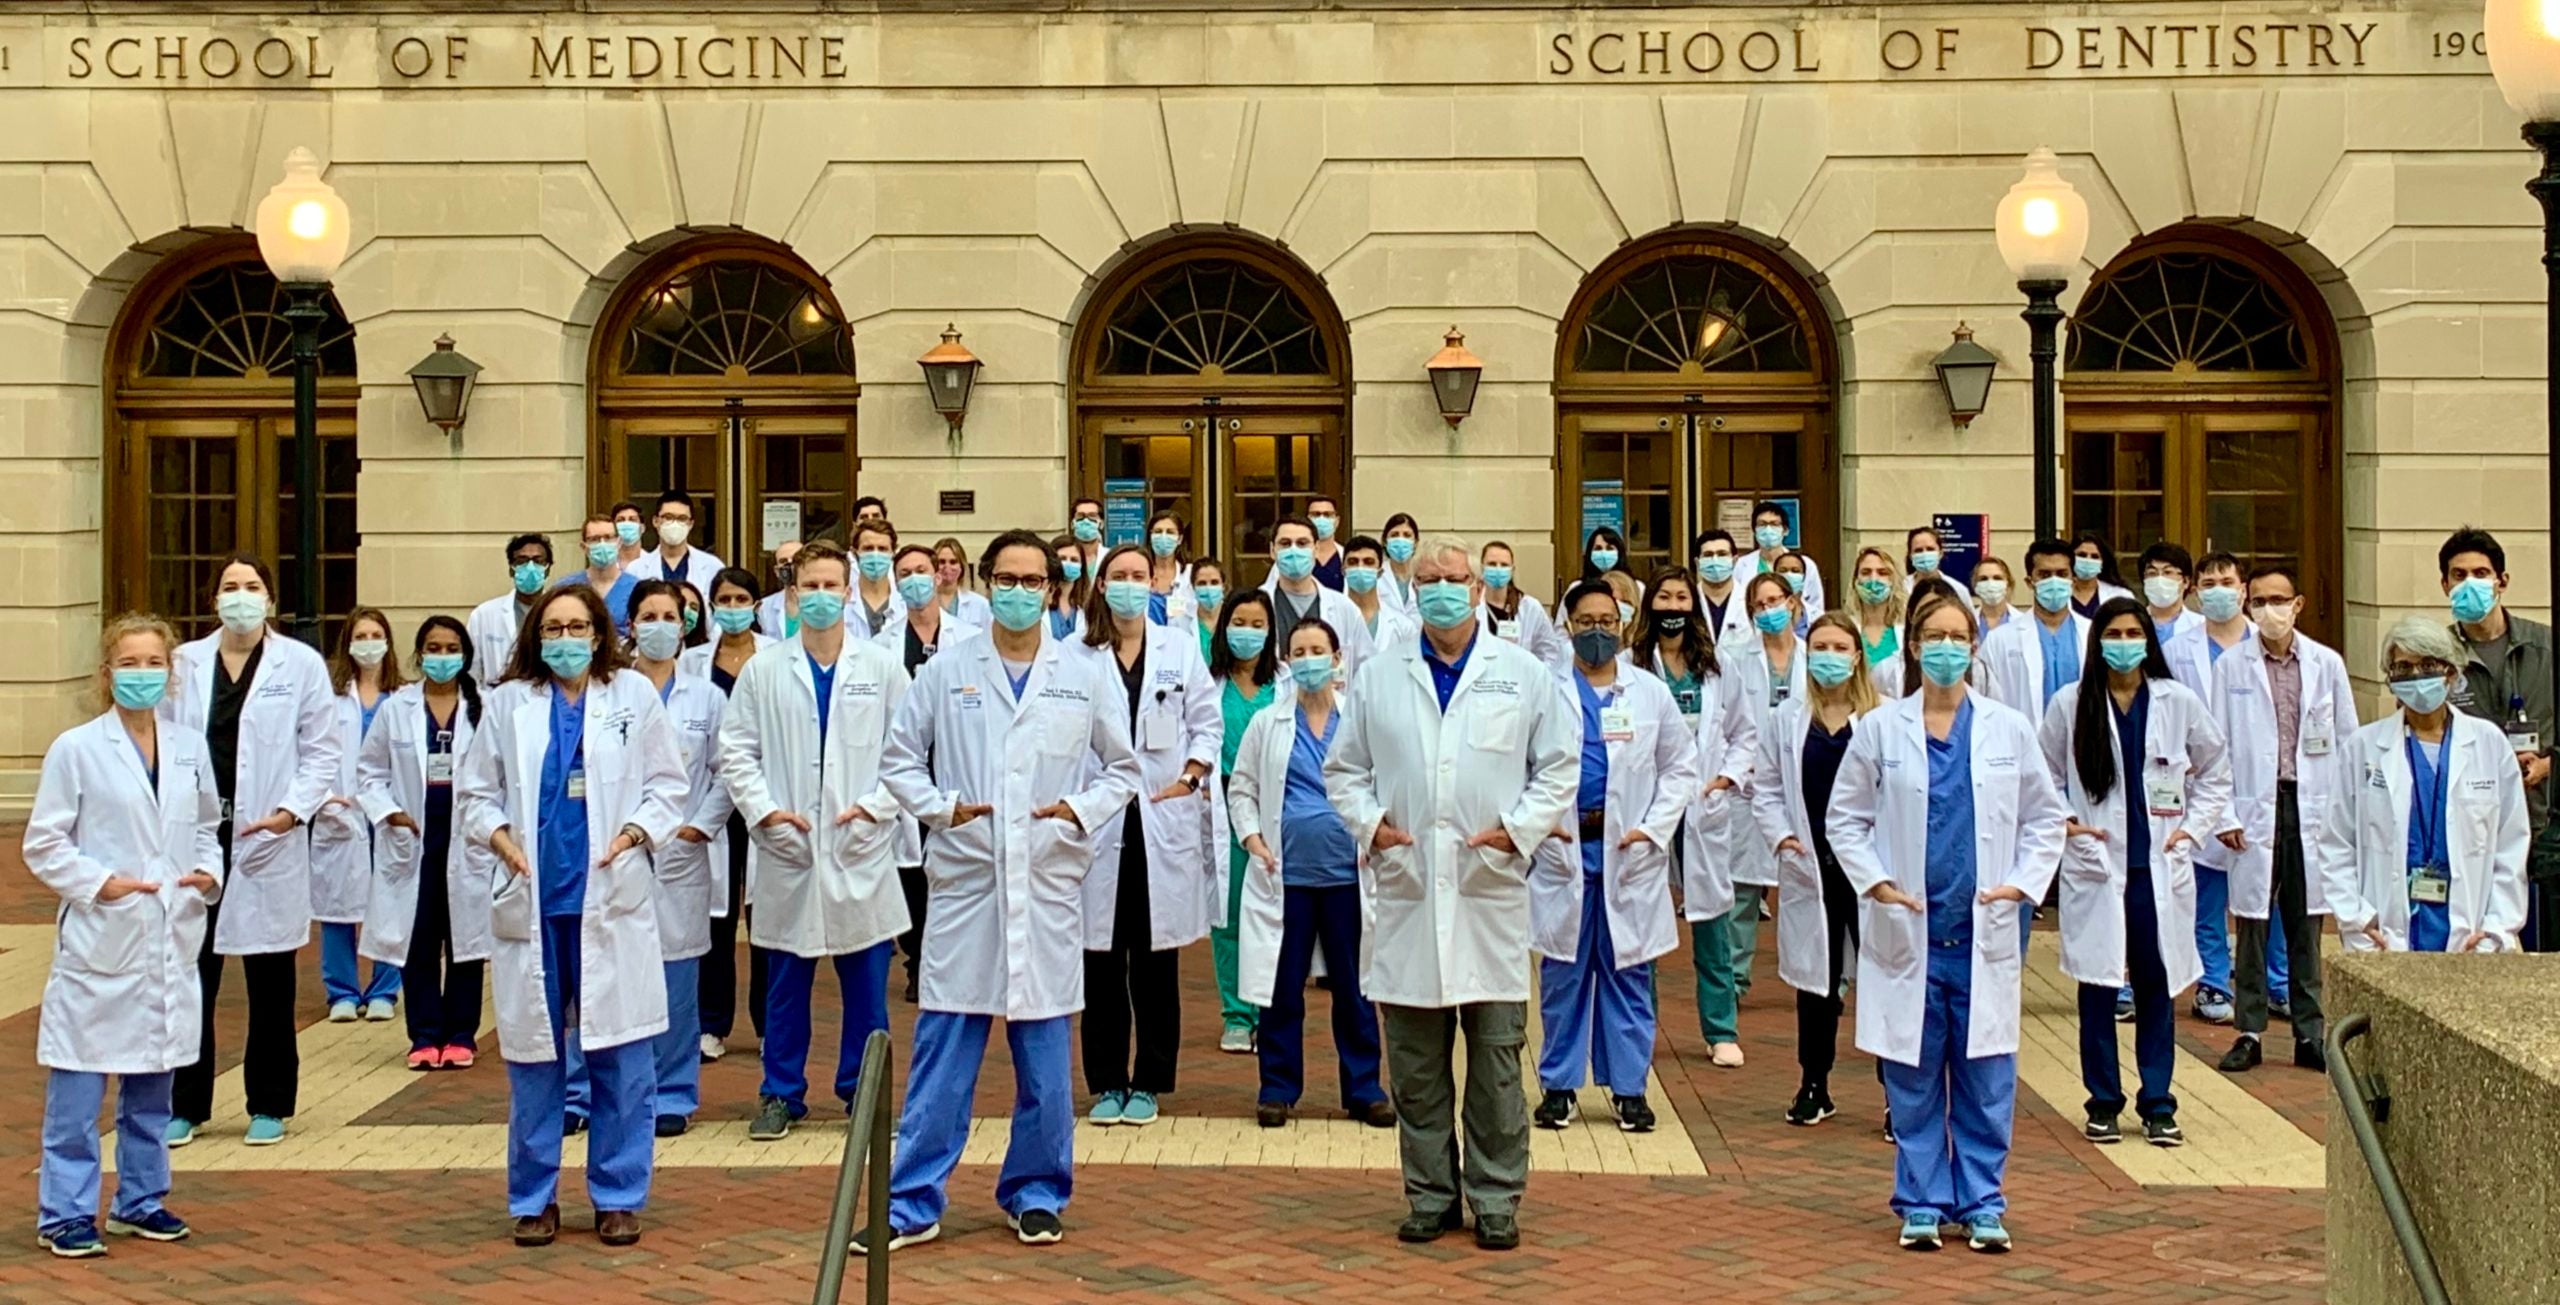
pixel 445 380
pixel 950 372
pixel 1964 372
pixel 1454 376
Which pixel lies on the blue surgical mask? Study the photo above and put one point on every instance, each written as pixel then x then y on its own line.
pixel 1164 542
pixel 874 566
pixel 2472 600
pixel 1085 529
pixel 692 619
pixel 2087 568
pixel 627 531
pixel 602 552
pixel 821 609
pixel 2219 603
pixel 1246 641
pixel 1127 598
pixel 1794 579
pixel 1497 577
pixel 733 620
pixel 1210 597
pixel 1444 604
pixel 657 640
pixel 1771 620
pixel 140 688
pixel 1874 589
pixel 1015 609
pixel 440 668
pixel 1604 558
pixel 1296 562
pixel 1768 536
pixel 1829 669
pixel 2123 654
pixel 1715 570
pixel 1312 672
pixel 568 657
pixel 2053 593
pixel 1399 550
pixel 916 590
pixel 1945 664
pixel 529 576
pixel 2421 695
pixel 1324 526
pixel 1360 579
pixel 1072 569
pixel 1925 560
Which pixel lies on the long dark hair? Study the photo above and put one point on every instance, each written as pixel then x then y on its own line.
pixel 1223 663
pixel 266 580
pixel 2093 742
pixel 469 687
pixel 1693 643
pixel 526 664
pixel 673 591
pixel 1099 630
pixel 1616 541
pixel 740 579
pixel 2107 572
pixel 1064 594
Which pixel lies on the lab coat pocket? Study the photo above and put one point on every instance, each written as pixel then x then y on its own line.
pixel 628 882
pixel 253 854
pixel 2477 828
pixel 1063 731
pixel 961 855
pixel 785 843
pixel 511 907
pixel 188 915
pixel 338 825
pixel 110 937
pixel 2084 861
pixel 1889 936
pixel 1995 929
pixel 1397 874
pixel 1493 724
pixel 858 840
pixel 1490 872
pixel 395 853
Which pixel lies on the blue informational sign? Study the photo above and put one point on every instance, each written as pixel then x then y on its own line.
pixel 1604 503
pixel 1124 512
pixel 1962 537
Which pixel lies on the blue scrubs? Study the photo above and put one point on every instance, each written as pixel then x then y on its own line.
pixel 2213 911
pixel 2155 1046
pixel 338 940
pixel 2430 923
pixel 1591 1009
pixel 1951 1111
pixel 942 1084
pixel 1320 908
pixel 677 1053
pixel 2061 661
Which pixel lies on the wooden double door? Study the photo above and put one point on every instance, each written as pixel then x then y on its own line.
pixel 1231 472
pixel 1659 474
pixel 756 474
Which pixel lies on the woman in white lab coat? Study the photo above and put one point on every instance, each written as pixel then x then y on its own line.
pixel 1876 599
pixel 2424 849
pixel 1302 893
pixel 951 589
pixel 1947 824
pixel 1169 597
pixel 1511 612
pixel 123 830
pixel 1248 671
pixel 1152 890
pixel 427 909
pixel 2141 762
pixel 1768 670
pixel 1727 732
pixel 1395 584
pixel 1992 583
pixel 732 639
pixel 575 782
pixel 688 890
pixel 1791 789
pixel 1600 889
pixel 263 703
pixel 364 674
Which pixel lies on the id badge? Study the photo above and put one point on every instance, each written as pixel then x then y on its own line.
pixel 2315 745
pixel 2429 886
pixel 1617 724
pixel 2315 733
pixel 577 785
pixel 439 767
pixel 2525 740
pixel 1508 629
pixel 2167 796
pixel 1156 730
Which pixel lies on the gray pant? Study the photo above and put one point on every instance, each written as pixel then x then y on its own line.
pixel 1423 1081
pixel 2292 913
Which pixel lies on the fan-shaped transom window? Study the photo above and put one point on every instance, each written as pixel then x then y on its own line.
pixel 1212 318
pixel 227 323
pixel 736 317
pixel 1692 314
pixel 2187 311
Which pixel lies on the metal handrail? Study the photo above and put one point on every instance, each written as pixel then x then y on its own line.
pixel 866 1155
pixel 2366 1100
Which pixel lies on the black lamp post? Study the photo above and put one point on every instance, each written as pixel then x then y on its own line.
pixel 2043 225
pixel 302 235
pixel 2044 318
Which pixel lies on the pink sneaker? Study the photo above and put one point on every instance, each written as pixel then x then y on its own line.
pixel 426 1058
pixel 458 1058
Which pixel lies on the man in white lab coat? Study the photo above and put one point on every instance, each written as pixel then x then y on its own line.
pixel 2221 589
pixel 1456 757
pixel 1296 595
pixel 1769 526
pixel 1011 750
pixel 493 624
pixel 2027 662
pixel 672 559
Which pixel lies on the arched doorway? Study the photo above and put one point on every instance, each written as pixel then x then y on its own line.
pixel 1693 379
pixel 1212 378
pixel 724 368
pixel 2200 401
pixel 200 438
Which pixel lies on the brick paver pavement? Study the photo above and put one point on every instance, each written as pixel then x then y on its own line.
pixel 1782 1214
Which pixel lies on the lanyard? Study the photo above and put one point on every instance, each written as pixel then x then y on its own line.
pixel 2426 814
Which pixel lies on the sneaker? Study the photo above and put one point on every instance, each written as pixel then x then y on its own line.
pixel 157 1226
pixel 1558 1109
pixel 2103 1130
pixel 1634 1116
pixel 1107 1108
pixel 2163 1132
pixel 264 1130
pixel 2243 1056
pixel 1497 1232
pixel 76 1240
pixel 2213 1006
pixel 2124 1010
pixel 2280 1008
pixel 1428 1226
pixel 460 1057
pixel 178 1134
pixel 1377 1114
pixel 1270 1114
pixel 426 1058
pixel 2308 1055
pixel 772 1121
pixel 1920 1233
pixel 1989 1235
pixel 572 1123
pixel 1137 1110
pixel 1038 1227
pixel 673 1125
pixel 343 1012
pixel 1725 1055
pixel 379 1010
pixel 1236 1041
pixel 898 1241
pixel 1812 1106
pixel 713 1048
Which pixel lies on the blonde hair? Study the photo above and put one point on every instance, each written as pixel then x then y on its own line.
pixel 1860 688
pixel 124 627
pixel 1623 585
pixel 1892 589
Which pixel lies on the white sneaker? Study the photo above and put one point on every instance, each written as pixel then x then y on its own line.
pixel 379 1010
pixel 342 1012
pixel 713 1048
pixel 1236 1041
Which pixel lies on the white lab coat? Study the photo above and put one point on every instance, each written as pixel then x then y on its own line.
pixel 2190 657
pixel 894 639
pixel 697 569
pixel 1653 778
pixel 1749 564
pixel 970 607
pixel 1778 812
pixel 2244 707
pixel 857 618
pixel 771 614
pixel 2362 858
pixel 1751 860
pixel 1880 830
pixel 693 878
pixel 1728 741
pixel 1181 606
pixel 1005 934
pixel 2187 619
pixel 834 890
pixel 1737 617
pixel 341 852
pixel 635 776
pixel 1178 723
pixel 287 758
pixel 493 626
pixel 2182 752
pixel 1530 628
pixel 1395 628
pixel 1452 921
pixel 1397 592
pixel 697 661
pixel 122 997
pixel 391 776
pixel 1336 609
pixel 1255 796
pixel 2013 662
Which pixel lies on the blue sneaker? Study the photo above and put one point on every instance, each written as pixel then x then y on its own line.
pixel 178 1134
pixel 264 1130
pixel 76 1240
pixel 1107 1109
pixel 1139 1110
pixel 1990 1236
pixel 1920 1232
pixel 157 1226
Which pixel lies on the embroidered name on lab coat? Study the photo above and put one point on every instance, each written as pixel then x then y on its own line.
pixel 858 689
pixel 969 696
pixel 1057 693
pixel 1508 688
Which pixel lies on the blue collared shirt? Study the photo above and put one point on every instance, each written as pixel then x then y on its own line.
pixel 1594 793
pixel 1444 675
pixel 564 818
pixel 1316 850
pixel 2061 660
pixel 1950 847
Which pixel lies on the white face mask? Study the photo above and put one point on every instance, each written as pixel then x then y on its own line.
pixel 242 611
pixel 2274 622
pixel 674 533
pixel 368 652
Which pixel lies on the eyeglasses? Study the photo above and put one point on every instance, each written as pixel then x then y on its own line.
pixel 1002 581
pixel 1927 637
pixel 2404 671
pixel 1586 624
pixel 567 629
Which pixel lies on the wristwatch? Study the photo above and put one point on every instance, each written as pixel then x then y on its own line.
pixel 1191 781
pixel 639 836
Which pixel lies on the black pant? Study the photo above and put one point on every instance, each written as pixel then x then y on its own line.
pixel 717 988
pixel 2292 912
pixel 1818 1014
pixel 441 996
pixel 911 879
pixel 270 1062
pixel 1130 982
pixel 2155 1044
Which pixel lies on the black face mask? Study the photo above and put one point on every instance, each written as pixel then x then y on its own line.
pixel 1670 622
